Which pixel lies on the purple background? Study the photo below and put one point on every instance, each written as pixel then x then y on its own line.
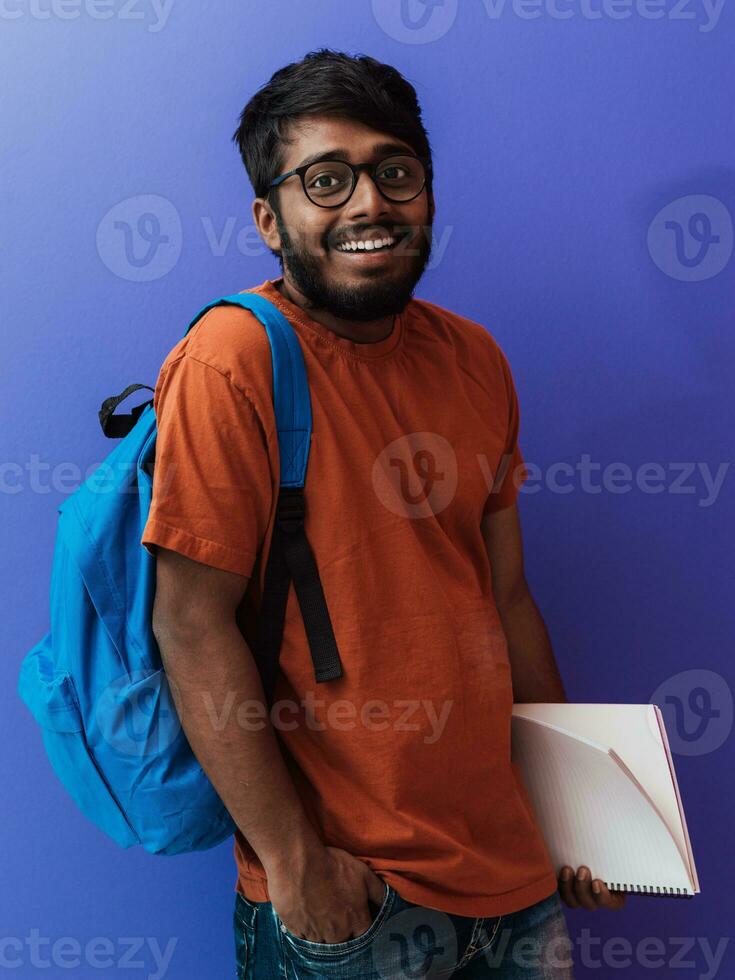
pixel 557 143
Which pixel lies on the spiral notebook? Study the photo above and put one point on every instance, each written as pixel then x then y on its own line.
pixel 602 783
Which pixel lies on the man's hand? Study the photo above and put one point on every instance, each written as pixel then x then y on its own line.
pixel 579 892
pixel 326 900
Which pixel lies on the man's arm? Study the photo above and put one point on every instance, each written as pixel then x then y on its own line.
pixel 533 665
pixel 320 892
pixel 213 674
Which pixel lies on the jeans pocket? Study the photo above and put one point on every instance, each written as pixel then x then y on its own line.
pixel 325 951
pixel 492 929
pixel 540 936
pixel 243 921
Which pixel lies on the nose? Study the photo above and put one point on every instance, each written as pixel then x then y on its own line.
pixel 366 199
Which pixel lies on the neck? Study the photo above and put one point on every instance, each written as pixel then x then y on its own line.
pixel 359 331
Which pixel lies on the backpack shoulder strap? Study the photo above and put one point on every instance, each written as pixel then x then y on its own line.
pixel 290 556
pixel 290 387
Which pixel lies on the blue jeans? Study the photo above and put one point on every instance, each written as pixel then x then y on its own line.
pixel 409 942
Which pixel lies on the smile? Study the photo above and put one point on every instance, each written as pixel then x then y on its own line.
pixel 371 245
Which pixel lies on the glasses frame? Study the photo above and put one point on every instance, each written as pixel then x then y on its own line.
pixel 371 168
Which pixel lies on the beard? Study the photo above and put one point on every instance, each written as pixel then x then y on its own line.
pixel 386 295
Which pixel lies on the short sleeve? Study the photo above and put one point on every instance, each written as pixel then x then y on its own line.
pixel 511 470
pixel 212 481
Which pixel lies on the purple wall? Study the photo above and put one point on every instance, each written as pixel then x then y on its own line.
pixel 585 193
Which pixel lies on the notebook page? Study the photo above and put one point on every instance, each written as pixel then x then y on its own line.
pixel 633 732
pixel 590 811
pixel 682 815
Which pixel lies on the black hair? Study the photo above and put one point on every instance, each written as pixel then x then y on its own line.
pixel 327 83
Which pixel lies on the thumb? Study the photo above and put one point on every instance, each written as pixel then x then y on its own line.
pixel 377 888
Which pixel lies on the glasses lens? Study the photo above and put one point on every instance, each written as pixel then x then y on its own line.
pixel 328 183
pixel 400 178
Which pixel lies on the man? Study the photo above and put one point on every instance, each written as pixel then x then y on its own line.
pixel 388 794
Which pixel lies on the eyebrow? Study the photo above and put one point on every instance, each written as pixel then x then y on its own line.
pixel 380 150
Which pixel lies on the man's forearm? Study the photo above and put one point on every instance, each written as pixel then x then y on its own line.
pixel 533 665
pixel 212 677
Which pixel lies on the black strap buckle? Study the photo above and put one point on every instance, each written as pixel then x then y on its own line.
pixel 118 426
pixel 291 508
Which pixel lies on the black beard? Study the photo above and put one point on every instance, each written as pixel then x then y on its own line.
pixel 385 296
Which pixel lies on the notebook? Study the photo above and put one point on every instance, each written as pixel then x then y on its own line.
pixel 601 780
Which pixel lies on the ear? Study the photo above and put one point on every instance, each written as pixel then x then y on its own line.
pixel 265 222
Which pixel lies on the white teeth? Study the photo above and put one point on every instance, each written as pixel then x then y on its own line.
pixel 368 246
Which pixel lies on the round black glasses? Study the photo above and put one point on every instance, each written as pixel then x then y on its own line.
pixel 330 183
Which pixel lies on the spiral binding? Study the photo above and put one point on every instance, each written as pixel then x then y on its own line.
pixel 649 890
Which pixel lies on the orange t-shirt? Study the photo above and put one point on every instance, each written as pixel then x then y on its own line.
pixel 404 761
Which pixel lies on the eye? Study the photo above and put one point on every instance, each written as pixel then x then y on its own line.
pixel 326 180
pixel 322 180
pixel 393 172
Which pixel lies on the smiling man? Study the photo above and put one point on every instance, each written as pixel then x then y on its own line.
pixel 384 803
pixel 340 265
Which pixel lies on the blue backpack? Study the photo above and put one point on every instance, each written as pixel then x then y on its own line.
pixel 95 683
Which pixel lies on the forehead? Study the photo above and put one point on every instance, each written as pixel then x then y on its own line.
pixel 320 134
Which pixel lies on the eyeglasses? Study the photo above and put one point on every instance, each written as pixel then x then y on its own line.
pixel 330 183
